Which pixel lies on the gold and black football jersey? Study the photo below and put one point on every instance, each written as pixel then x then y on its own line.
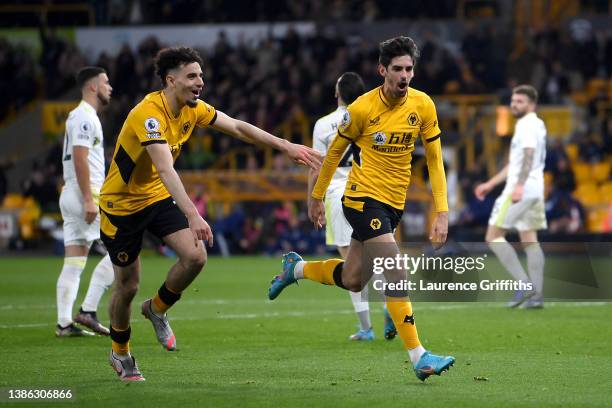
pixel 132 182
pixel 383 136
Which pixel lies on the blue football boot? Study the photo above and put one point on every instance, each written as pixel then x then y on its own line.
pixel 286 277
pixel 430 364
pixel 390 330
pixel 363 335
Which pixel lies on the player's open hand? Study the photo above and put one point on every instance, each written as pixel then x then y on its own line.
pixel 482 190
pixel 90 210
pixel 201 230
pixel 305 156
pixel 316 212
pixel 439 230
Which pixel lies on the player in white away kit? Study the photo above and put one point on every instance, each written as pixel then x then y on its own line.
pixel 337 229
pixel 521 204
pixel 83 162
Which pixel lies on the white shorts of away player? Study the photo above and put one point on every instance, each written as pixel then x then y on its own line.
pixel 337 229
pixel 525 215
pixel 76 230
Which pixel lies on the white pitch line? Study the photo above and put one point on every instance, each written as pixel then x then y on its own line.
pixel 243 316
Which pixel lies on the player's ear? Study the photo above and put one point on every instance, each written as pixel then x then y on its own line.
pixel 92 84
pixel 169 79
pixel 382 70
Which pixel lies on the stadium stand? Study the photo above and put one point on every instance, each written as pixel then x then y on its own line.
pixel 284 83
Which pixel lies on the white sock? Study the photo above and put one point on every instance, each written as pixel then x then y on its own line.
pixel 535 266
pixel 298 270
pixel 415 354
pixel 68 287
pixel 362 307
pixel 508 258
pixel 101 279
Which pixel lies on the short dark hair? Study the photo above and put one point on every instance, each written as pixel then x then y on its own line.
pixel 396 47
pixel 350 87
pixel 171 58
pixel 528 90
pixel 86 73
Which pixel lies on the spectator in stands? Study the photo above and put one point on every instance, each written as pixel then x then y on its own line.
pixel 4 166
pixel 52 49
pixel 591 149
pixel 563 176
pixel 564 214
pixel 43 188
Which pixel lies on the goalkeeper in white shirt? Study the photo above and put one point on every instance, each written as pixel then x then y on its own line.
pixel 337 229
pixel 83 164
pixel 521 204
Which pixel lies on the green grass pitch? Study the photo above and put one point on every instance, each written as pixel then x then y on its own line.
pixel 237 349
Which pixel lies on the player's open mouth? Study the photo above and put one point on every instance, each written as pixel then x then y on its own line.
pixel 196 93
pixel 402 85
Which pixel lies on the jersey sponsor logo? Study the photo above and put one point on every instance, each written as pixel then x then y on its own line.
pixel 396 142
pixel 345 121
pixel 186 127
pixel 151 125
pixel 413 119
pixel 375 224
pixel 96 141
pixel 379 138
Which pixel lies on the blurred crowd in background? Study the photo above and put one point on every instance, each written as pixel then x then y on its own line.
pixel 284 84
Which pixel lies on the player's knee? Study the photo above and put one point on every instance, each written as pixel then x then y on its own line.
pixel 195 260
pixel 352 283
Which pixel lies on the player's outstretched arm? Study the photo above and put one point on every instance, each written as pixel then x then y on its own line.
pixel 252 134
pixel 437 178
pixel 163 162
pixel 485 188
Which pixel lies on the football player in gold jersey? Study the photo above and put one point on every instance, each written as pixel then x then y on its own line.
pixel 382 126
pixel 143 192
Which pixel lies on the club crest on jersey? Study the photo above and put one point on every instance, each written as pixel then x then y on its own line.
pixel 346 121
pixel 413 119
pixel 380 138
pixel 151 125
pixel 186 127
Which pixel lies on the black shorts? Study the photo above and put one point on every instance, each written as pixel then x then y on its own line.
pixel 370 218
pixel 122 234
